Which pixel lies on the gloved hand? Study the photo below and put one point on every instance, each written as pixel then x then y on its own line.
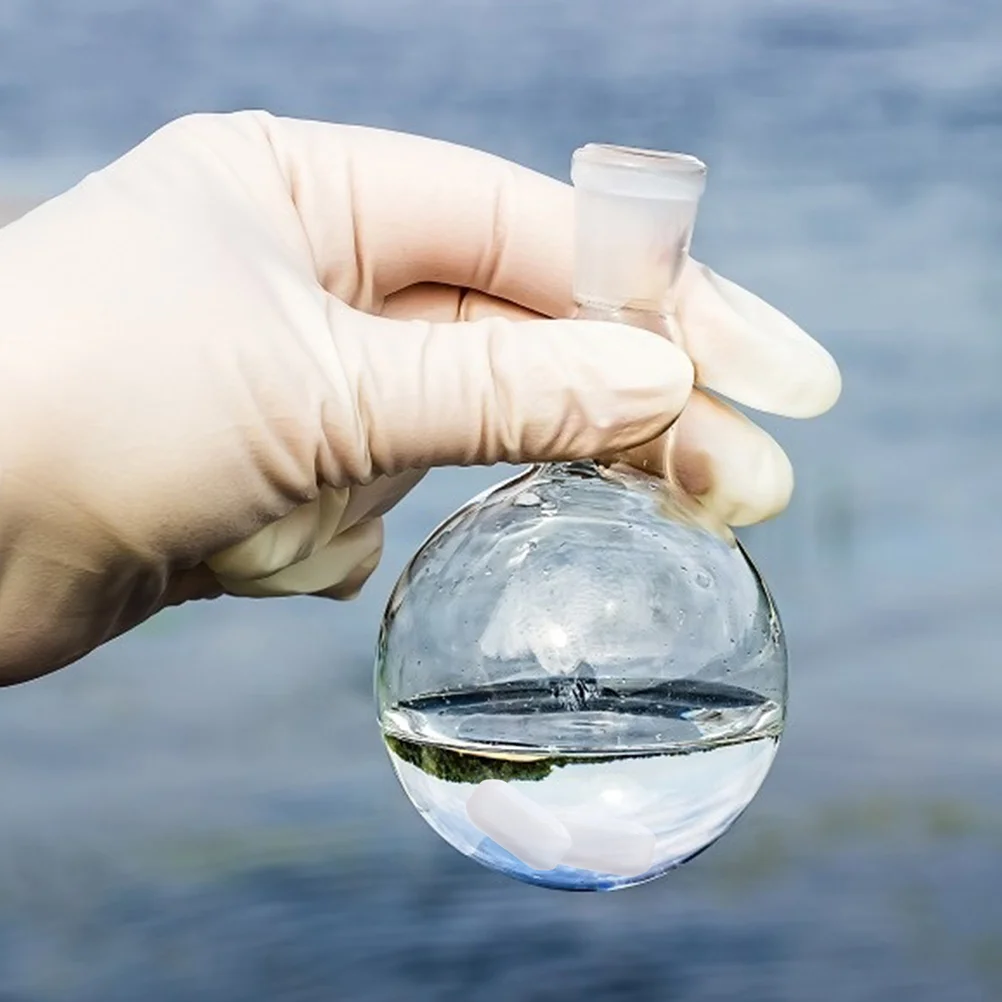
pixel 224 356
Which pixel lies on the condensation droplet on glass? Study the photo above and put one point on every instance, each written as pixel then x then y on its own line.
pixel 527 499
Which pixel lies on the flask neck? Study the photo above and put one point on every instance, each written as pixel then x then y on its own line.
pixel 634 215
pixel 629 252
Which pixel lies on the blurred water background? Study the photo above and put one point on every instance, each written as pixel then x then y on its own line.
pixel 202 810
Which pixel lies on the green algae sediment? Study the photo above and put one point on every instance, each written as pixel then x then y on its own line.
pixel 463 767
pixel 456 766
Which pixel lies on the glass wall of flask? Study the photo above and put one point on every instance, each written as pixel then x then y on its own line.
pixel 581 676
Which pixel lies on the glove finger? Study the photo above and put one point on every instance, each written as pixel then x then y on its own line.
pixel 423 210
pixel 748 351
pixel 429 394
pixel 741 346
pixel 717 455
pixel 337 568
pixel 314 542
pixel 351 584
pixel 285 542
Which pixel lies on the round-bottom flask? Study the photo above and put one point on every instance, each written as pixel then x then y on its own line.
pixel 581 677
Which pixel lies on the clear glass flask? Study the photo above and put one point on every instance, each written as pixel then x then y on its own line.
pixel 581 677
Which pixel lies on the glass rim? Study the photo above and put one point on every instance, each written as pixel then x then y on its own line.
pixel 639 159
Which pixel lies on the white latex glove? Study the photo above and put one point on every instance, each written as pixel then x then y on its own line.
pixel 224 356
